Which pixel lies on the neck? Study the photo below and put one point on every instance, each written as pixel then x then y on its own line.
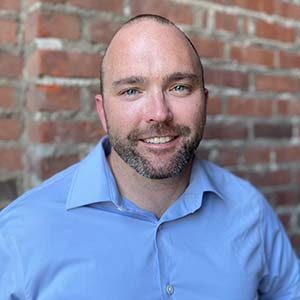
pixel 154 195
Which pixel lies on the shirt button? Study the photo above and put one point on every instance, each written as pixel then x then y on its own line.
pixel 170 289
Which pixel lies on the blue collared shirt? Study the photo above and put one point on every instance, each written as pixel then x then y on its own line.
pixel 74 237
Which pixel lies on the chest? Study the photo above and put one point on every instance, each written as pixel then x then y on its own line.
pixel 135 259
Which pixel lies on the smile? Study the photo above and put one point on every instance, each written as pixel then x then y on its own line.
pixel 159 139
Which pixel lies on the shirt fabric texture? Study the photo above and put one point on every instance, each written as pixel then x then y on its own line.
pixel 74 237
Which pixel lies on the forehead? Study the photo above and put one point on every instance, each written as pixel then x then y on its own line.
pixel 148 48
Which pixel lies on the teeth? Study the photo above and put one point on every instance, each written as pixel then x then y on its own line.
pixel 159 140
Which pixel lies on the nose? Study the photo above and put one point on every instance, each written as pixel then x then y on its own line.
pixel 158 109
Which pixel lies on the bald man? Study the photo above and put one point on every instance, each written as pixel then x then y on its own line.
pixel 140 217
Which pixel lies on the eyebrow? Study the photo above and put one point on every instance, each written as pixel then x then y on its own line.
pixel 169 78
pixel 181 76
pixel 128 80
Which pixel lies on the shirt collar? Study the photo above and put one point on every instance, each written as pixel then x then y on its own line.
pixel 201 182
pixel 93 182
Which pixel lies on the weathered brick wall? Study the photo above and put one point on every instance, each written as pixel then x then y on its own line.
pixel 50 52
pixel 11 99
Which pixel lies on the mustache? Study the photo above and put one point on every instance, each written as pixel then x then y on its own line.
pixel 159 129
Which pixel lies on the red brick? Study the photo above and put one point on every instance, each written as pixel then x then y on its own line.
pixel 48 166
pixel 226 22
pixel 285 219
pixel 226 78
pixel 11 159
pixel 244 25
pixel 102 5
pixel 10 129
pixel 288 154
pixel 207 47
pixel 214 106
pixel 63 64
pixel 10 5
pixel 8 190
pixel 249 107
pixel 286 197
pixel 273 130
pixel 228 156
pixel 268 178
pixel 297 128
pixel 252 55
pixel 8 32
pixel 102 31
pixel 289 60
pixel 271 197
pixel 65 132
pixel 52 24
pixel 295 240
pixel 53 98
pixel 298 179
pixel 288 107
pixel 288 10
pixel 10 65
pixel 7 97
pixel 280 84
pixel 266 6
pixel 256 155
pixel 275 31
pixel 178 13
pixel 226 131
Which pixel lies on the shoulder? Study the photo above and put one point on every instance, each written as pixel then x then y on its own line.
pixel 230 187
pixel 242 202
pixel 251 221
pixel 38 204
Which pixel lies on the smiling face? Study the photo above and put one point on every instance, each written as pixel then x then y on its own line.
pixel 153 104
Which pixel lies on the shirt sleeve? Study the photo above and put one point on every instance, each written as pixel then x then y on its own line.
pixel 281 277
pixel 10 272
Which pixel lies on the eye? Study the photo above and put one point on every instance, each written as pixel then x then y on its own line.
pixel 181 89
pixel 130 92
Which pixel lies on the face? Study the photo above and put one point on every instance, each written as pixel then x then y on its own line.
pixel 153 106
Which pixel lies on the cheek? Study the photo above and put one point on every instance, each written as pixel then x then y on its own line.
pixel 189 115
pixel 200 113
pixel 122 118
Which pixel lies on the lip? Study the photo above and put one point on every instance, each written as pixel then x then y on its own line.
pixel 159 138
pixel 164 146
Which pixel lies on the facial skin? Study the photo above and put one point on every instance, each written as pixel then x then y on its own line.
pixel 153 105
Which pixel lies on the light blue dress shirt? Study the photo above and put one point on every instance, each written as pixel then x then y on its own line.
pixel 74 237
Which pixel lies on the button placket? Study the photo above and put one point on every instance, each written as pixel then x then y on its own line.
pixel 169 289
pixel 164 256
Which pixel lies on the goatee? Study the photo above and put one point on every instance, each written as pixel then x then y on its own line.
pixel 127 150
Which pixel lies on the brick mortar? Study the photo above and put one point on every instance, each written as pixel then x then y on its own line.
pixel 231 9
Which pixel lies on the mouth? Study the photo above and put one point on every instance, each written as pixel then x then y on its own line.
pixel 157 140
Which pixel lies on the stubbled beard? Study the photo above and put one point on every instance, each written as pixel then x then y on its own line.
pixel 127 150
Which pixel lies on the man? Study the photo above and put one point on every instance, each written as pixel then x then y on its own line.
pixel 140 217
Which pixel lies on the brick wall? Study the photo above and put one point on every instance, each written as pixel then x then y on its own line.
pixel 50 52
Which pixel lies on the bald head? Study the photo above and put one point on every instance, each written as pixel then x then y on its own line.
pixel 146 29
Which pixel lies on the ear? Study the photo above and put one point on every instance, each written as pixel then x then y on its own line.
pixel 206 94
pixel 100 110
